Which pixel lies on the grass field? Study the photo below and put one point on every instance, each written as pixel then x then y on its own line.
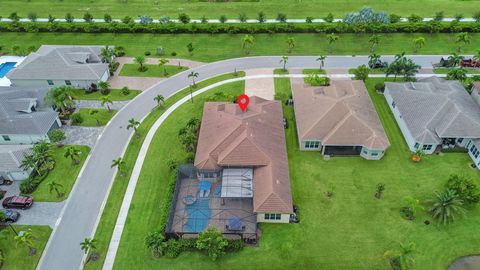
pixel 115 95
pixel 64 173
pixel 100 118
pixel 17 258
pixel 309 71
pixel 446 70
pixel 109 216
pixel 210 9
pixel 350 229
pixel 152 70
pixel 224 46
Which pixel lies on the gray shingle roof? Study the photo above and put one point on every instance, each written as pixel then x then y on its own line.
pixel 434 108
pixel 61 63
pixel 11 156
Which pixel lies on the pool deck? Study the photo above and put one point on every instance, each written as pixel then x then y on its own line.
pixel 3 59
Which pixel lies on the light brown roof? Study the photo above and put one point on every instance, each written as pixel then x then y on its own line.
pixel 339 114
pixel 476 85
pixel 254 138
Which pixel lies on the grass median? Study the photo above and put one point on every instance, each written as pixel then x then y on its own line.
pixel 115 95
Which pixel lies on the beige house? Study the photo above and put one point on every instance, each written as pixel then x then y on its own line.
pixel 338 120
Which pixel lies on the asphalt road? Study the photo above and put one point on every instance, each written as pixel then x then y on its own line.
pixel 83 208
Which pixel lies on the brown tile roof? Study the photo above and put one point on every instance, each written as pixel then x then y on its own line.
pixel 339 114
pixel 476 85
pixel 255 138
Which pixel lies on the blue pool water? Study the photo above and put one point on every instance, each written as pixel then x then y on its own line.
pixel 199 214
pixel 5 68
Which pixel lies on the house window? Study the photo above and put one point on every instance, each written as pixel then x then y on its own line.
pixel 393 104
pixel 460 140
pixel 50 82
pixel 474 151
pixel 209 175
pixel 67 82
pixel 365 151
pixel 427 147
pixel 6 138
pixel 374 154
pixel 312 144
pixel 417 145
pixel 273 216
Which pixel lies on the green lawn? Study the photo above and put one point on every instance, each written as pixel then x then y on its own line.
pixel 152 70
pixel 199 8
pixel 17 258
pixel 372 71
pixel 64 173
pixel 115 95
pixel 351 228
pixel 224 46
pixel 109 216
pixel 446 70
pixel 309 71
pixel 101 118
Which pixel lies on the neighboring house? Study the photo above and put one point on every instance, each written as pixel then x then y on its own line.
pixel 476 92
pixel 78 66
pixel 11 157
pixel 433 113
pixel 338 120
pixel 24 117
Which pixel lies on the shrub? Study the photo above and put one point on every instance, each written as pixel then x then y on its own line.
pixel 174 53
pixel 56 135
pixel 119 51
pixel 394 18
pixel 107 18
pixel 172 164
pixel 242 17
pixel 309 19
pixel 190 157
pixel 164 19
pixel 69 18
pixel 366 15
pixel 125 91
pixel 147 53
pixel 188 244
pixel 127 20
pixel 14 17
pixel 144 19
pixel 438 16
pixel 51 19
pixel 155 242
pixel 281 17
pixel 315 80
pixel 173 248
pixel 28 186
pixel 458 17
pixel 361 72
pixel 223 19
pixel 32 16
pixel 87 17
pixel 261 17
pixel 212 242
pixel 414 18
pixel 184 18
pixel 329 18
pixel 380 87
pixel 234 245
pixel 204 19
pixel 465 189
pixel 476 16
pixel 76 119
pixel 105 91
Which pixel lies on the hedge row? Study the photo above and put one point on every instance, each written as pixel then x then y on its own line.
pixel 175 28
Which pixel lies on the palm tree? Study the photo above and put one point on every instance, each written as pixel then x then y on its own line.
pixel 247 43
pixel 60 97
pixel 29 162
pixel 26 239
pixel 290 44
pixel 284 61
pixel 132 123
pixel 120 164
pixel 331 38
pixel 105 100
pixel 321 59
pixel 72 153
pixel 87 245
pixel 140 60
pixel 418 43
pixel 374 40
pixel 107 54
pixel 193 75
pixel 93 113
pixel 160 100
pixel 454 59
pixel 445 206
pixel 54 186
pixel 162 62
pixel 104 87
pixel 462 38
pixel 459 74
pixel 402 258
pixel 413 206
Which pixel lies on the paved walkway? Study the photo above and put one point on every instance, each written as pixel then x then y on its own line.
pixel 466 263
pixel 263 87
pixel 77 135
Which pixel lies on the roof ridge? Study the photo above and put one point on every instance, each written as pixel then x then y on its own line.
pixel 337 126
pixel 323 116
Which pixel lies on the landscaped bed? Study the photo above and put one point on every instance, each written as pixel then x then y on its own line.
pixel 94 117
pixel 446 70
pixel 115 95
pixel 151 70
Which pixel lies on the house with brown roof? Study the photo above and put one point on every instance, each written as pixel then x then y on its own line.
pixel 338 119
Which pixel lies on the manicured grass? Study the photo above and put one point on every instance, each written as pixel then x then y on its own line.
pixel 101 118
pixel 446 70
pixel 197 9
pixel 152 70
pixel 115 95
pixel 17 258
pixel 309 71
pixel 352 228
pixel 64 173
pixel 372 71
pixel 109 216
pixel 224 46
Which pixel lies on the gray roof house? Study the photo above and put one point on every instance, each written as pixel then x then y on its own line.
pixel 434 112
pixel 11 157
pixel 24 116
pixel 52 65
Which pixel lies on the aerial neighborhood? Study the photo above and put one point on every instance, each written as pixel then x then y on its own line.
pixel 318 134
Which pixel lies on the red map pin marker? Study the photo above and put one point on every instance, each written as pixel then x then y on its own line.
pixel 243 101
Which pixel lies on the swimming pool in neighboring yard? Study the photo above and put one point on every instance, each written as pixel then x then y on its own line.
pixel 6 67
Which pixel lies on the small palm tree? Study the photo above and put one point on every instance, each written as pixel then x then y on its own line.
pixel 105 101
pixel 104 87
pixel 284 61
pixel 30 162
pixel 88 245
pixel 445 206
pixel 162 62
pixel 374 40
pixel 26 240
pixel 403 257
pixel 454 59
pixel 72 153
pixel 291 44
pixel 247 43
pixel 461 39
pixel 418 43
pixel 160 100
pixel 331 38
pixel 55 187
pixel 93 113
pixel 132 123
pixel 120 164
pixel 321 59
pixel 107 53
pixel 193 75
pixel 140 60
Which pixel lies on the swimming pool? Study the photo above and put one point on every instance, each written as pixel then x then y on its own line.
pixel 6 67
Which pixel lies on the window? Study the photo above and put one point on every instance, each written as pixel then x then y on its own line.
pixel 417 145
pixel 312 144
pixel 393 104
pixel 427 147
pixel 460 140
pixel 272 216
pixel 67 82
pixel 209 175
pixel 375 154
pixel 365 151
pixel 474 151
pixel 50 82
pixel 6 138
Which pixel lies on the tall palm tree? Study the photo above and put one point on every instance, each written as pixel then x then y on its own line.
pixel 373 59
pixel 26 240
pixel 105 101
pixel 87 245
pixel 291 44
pixel 120 164
pixel 140 60
pixel 454 59
pixel 60 97
pixel 160 100
pixel 247 43
pixel 132 123
pixel 461 39
pixel 72 153
pixel 374 40
pixel 107 53
pixel 446 206
pixel 321 59
pixel 331 38
pixel 284 61
pixel 104 87
pixel 162 62
pixel 193 75
pixel 29 162
pixel 404 256
pixel 418 43
pixel 54 186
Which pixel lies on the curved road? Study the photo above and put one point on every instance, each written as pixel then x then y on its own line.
pixel 84 206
